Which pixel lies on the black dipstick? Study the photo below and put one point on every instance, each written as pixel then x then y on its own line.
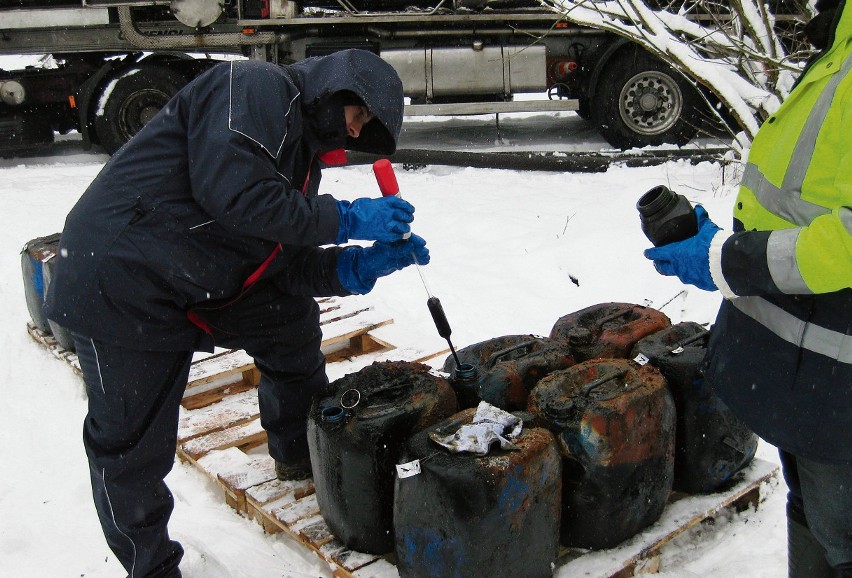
pixel 441 323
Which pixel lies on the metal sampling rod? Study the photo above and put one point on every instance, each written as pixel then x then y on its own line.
pixel 386 178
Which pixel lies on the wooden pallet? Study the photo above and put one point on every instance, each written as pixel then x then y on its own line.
pixel 49 342
pixel 247 479
pixel 224 441
pixel 220 434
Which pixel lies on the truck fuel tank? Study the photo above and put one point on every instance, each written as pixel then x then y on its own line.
pixel 473 70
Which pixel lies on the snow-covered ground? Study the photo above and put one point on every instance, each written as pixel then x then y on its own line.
pixel 505 247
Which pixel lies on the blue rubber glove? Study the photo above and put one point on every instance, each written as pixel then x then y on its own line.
pixel 358 268
pixel 688 259
pixel 383 219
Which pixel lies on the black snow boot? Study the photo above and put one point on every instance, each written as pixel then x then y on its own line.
pixel 296 471
pixel 805 556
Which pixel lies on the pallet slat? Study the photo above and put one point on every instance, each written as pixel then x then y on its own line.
pixel 233 410
pixel 245 436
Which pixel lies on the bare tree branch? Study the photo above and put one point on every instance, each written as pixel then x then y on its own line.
pixel 733 50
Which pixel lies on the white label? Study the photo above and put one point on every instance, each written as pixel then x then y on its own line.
pixel 677 350
pixel 641 359
pixel 407 470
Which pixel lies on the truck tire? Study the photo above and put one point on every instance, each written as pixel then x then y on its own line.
pixel 639 100
pixel 133 99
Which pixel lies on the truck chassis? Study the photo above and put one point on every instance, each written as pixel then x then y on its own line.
pixel 119 62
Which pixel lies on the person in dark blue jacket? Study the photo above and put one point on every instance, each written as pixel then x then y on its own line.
pixel 207 229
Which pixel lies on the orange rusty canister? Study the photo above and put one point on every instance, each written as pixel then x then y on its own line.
pixel 607 330
pixel 468 516
pixel 614 422
pixel 355 437
pixel 503 370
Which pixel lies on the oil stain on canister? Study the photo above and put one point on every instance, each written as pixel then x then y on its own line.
pixel 355 436
pixel 614 422
pixel 711 443
pixel 503 370
pixel 608 330
pixel 469 516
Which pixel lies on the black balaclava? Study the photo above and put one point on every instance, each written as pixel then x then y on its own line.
pixel 327 120
pixel 327 123
pixel 820 29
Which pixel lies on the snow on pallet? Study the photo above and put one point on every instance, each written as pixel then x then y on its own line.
pixel 49 342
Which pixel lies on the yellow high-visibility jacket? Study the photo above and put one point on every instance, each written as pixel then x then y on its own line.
pixel 781 352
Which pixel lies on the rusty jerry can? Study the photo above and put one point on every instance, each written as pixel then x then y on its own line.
pixel 503 370
pixel 468 516
pixel 38 259
pixel 607 330
pixel 711 443
pixel 614 422
pixel 355 436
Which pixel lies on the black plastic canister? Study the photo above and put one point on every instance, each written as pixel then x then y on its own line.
pixel 355 436
pixel 470 516
pixel 615 424
pixel 503 370
pixel 712 444
pixel 607 330
pixel 33 256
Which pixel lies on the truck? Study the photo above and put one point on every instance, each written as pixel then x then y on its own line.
pixel 117 62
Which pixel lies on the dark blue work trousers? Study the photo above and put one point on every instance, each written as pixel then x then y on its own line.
pixel 130 432
pixel 820 497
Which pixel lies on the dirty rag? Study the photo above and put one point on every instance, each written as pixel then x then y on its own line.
pixel 490 424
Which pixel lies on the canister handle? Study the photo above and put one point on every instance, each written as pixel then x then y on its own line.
pixel 495 357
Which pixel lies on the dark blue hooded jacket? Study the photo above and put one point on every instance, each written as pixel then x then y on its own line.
pixel 201 197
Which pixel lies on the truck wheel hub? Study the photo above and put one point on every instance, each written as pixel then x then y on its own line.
pixel 139 110
pixel 651 103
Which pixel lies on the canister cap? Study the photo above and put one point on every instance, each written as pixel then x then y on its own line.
pixel 466 371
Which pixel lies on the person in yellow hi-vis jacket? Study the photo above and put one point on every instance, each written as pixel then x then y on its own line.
pixel 780 354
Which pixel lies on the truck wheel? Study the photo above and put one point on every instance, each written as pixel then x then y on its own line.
pixel 639 100
pixel 133 100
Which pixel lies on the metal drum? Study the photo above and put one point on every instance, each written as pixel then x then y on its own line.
pixel 32 258
pixel 607 330
pixel 615 425
pixel 355 436
pixel 470 516
pixel 711 444
pixel 503 370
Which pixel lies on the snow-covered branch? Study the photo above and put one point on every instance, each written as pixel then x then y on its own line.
pixel 734 51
